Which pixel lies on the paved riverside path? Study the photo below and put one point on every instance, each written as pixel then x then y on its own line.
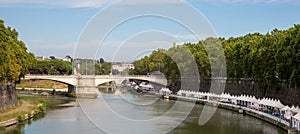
pixel 23 107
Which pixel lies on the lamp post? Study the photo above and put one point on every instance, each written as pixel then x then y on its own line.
pixel 85 67
pixel 159 66
pixel 78 68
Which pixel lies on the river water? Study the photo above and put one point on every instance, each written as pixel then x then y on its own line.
pixel 130 113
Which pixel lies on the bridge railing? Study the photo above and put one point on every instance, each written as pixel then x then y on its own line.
pixel 99 76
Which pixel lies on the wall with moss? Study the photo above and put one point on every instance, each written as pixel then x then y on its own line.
pixel 8 96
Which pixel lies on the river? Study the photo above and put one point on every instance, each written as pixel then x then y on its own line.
pixel 130 113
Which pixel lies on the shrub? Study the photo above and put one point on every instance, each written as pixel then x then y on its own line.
pixel 2 128
pixel 40 91
pixel 21 118
pixel 29 114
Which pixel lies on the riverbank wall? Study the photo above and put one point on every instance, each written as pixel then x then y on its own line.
pixel 41 108
pixel 243 110
pixel 287 95
pixel 8 96
pixel 44 89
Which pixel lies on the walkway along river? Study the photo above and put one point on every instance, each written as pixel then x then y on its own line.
pixel 95 116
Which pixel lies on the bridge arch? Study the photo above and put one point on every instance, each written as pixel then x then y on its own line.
pixel 102 81
pixel 154 80
pixel 64 80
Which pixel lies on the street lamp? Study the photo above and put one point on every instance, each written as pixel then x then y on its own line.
pixel 159 66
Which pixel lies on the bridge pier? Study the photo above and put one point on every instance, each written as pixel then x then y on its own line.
pixel 86 92
pixel 71 90
pixel 86 87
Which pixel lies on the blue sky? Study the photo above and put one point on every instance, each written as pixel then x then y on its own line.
pixel 53 28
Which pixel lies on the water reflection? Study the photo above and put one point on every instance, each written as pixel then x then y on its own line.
pixel 226 122
pixel 93 117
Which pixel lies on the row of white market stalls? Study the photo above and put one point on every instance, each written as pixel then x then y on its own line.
pixel 165 92
pixel 142 86
pixel 267 105
pixel 293 114
pixel 296 121
pixel 145 86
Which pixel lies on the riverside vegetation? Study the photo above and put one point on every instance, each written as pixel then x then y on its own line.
pixel 266 59
pixel 41 84
pixel 26 108
pixel 58 67
pixel 14 63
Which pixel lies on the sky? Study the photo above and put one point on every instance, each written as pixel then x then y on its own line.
pixel 128 29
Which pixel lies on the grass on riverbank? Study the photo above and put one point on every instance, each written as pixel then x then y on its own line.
pixel 9 109
pixel 41 84
pixel 24 106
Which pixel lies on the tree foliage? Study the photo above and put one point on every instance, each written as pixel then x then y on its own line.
pixel 59 67
pixel 14 58
pixel 92 67
pixel 266 59
pixel 51 67
pixel 103 69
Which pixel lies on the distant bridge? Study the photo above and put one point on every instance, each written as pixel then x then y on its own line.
pixel 86 85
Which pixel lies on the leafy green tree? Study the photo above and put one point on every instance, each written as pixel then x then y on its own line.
pixel 266 59
pixel 52 57
pixel 101 61
pixel 106 68
pixel 14 58
pixel 103 69
pixel 52 67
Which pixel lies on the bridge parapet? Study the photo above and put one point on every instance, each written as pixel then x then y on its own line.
pixel 67 79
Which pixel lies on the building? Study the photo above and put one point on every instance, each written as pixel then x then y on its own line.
pixel 41 58
pixel 122 66
pixel 67 59
pixel 175 44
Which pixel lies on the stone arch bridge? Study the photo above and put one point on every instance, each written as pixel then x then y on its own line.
pixel 86 85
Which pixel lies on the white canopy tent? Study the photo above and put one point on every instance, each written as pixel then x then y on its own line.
pixel 278 104
pixel 165 91
pixel 271 105
pixel 296 121
pixel 225 97
pixel 247 100
pixel 286 112
pixel 133 83
pixel 145 85
pixel 295 110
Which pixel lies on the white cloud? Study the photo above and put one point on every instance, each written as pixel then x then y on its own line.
pixel 136 2
pixel 56 3
pixel 130 51
pixel 110 50
pixel 40 44
pixel 246 1
pixel 102 3
pixel 58 50
pixel 80 3
pixel 191 37
pixel 255 1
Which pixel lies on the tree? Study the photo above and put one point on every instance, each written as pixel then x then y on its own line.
pixel 52 67
pixel 106 68
pixel 14 58
pixel 68 56
pixel 101 61
pixel 266 59
pixel 52 57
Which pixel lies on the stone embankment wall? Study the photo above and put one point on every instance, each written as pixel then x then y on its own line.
pixel 8 96
pixel 288 96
